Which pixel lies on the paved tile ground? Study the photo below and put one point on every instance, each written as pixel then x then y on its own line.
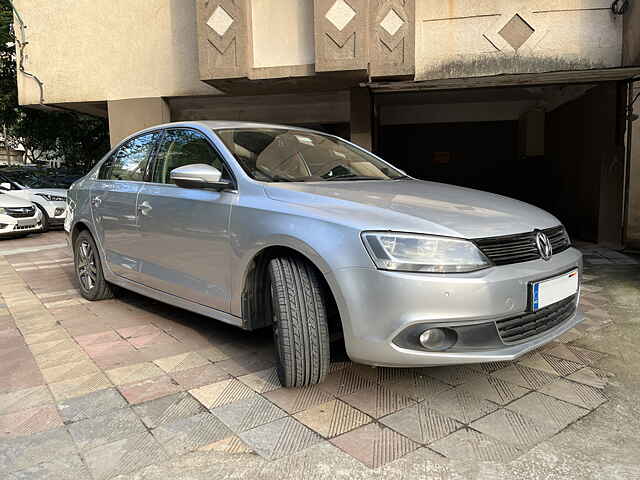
pixel 98 390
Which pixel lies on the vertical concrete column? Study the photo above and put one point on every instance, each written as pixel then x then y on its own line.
pixel 361 121
pixel 632 239
pixel 133 114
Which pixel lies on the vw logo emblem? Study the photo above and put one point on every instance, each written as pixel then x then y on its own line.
pixel 544 245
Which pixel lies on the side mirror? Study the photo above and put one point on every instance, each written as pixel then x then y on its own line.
pixel 5 186
pixel 199 175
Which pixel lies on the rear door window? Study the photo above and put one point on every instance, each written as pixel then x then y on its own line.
pixel 130 161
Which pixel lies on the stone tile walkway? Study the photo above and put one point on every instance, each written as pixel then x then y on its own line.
pixel 97 390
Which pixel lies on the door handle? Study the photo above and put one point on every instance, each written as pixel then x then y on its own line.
pixel 96 201
pixel 144 208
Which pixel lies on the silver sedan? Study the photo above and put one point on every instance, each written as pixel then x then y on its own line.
pixel 271 226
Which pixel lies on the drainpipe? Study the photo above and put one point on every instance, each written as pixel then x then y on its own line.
pixel 21 44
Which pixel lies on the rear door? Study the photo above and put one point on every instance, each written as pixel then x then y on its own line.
pixel 113 204
pixel 185 231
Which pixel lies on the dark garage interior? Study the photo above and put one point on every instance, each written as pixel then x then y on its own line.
pixel 551 146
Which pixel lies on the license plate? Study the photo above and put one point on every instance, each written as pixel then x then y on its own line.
pixel 552 290
pixel 27 223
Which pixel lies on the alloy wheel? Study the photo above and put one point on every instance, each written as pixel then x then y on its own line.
pixel 86 266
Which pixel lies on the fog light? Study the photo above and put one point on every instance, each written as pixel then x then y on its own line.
pixel 438 338
pixel 59 211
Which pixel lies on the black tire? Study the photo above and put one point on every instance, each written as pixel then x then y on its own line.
pixel 45 219
pixel 88 268
pixel 300 329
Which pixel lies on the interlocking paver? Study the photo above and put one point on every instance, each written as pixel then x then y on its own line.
pixel 213 354
pixel 91 405
pixel 199 376
pixel 124 456
pixel 590 376
pixel 547 410
pixel 69 370
pixel 57 358
pixel 244 365
pixel 53 346
pixel 183 361
pixel 30 421
pixel 374 445
pixel 47 336
pixel 514 428
pixel 577 393
pixel 349 380
pixel 220 393
pixel 248 413
pixel 377 401
pixel 525 376
pixel 452 375
pixel 107 428
pixel 294 400
pixel 149 389
pixel 332 418
pixel 24 399
pixel 23 452
pixel 168 409
pixel 467 444
pixel 262 381
pixel 494 389
pixel 577 354
pixel 105 336
pixel 280 438
pixel 133 373
pixel 551 364
pixel 421 424
pixel 416 385
pixel 78 386
pixel 68 467
pixel 461 405
pixel 187 434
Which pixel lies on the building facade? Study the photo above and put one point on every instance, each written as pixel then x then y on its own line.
pixel 530 99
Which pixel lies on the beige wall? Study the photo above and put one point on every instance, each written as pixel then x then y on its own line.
pixel 633 219
pixel 461 38
pixel 282 33
pixel 85 50
pixel 129 116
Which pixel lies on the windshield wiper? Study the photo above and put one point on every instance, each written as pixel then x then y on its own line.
pixel 352 176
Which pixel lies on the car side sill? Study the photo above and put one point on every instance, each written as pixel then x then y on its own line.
pixel 175 301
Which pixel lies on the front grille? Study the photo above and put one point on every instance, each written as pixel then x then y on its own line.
pixel 516 329
pixel 26 227
pixel 521 247
pixel 20 212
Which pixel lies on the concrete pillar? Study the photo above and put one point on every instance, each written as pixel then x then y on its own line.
pixel 632 239
pixel 361 117
pixel 133 114
pixel 531 133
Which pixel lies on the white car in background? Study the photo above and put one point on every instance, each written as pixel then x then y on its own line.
pixel 52 202
pixel 18 217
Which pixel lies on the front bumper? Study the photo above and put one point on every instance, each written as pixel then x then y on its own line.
pixel 376 306
pixel 10 226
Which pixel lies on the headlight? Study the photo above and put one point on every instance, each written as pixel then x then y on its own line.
pixel 52 198
pixel 423 253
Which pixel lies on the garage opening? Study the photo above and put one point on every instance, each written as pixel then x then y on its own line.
pixel 559 147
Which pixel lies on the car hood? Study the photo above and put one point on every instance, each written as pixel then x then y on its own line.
pixel 9 201
pixel 59 192
pixel 415 206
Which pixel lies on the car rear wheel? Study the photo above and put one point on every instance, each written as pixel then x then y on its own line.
pixel 299 314
pixel 88 269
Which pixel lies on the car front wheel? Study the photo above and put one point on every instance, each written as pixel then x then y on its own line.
pixel 299 314
pixel 88 269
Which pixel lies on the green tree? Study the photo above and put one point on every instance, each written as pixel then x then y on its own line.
pixel 79 139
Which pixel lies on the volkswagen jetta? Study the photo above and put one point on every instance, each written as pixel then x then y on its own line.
pixel 271 226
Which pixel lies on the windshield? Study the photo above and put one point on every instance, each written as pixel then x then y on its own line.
pixel 34 179
pixel 280 155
